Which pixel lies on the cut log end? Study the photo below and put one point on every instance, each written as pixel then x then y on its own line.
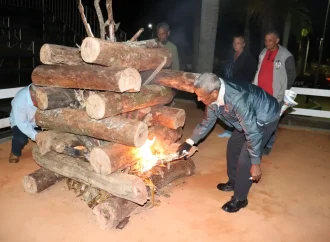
pixel 96 106
pixel 42 99
pixel 30 185
pixel 101 163
pixel 142 135
pixel 90 49
pixel 46 54
pixel 129 79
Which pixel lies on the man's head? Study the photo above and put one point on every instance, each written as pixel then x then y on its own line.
pixel 207 88
pixel 238 43
pixel 33 95
pixel 272 38
pixel 163 31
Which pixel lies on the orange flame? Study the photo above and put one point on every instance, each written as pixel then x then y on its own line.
pixel 146 159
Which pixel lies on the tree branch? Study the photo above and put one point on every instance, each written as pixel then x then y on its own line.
pixel 83 17
pixel 137 35
pixel 100 18
pixel 111 21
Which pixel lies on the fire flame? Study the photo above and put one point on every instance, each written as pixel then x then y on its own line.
pixel 146 159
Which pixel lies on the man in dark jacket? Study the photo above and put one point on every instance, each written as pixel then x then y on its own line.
pixel 253 113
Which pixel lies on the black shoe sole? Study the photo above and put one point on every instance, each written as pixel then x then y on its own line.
pixel 234 211
pixel 225 189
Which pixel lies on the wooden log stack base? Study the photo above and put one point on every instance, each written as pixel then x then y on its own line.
pixel 116 129
pixel 111 212
pixel 109 158
pixel 88 77
pixel 40 180
pixel 60 55
pixel 116 54
pixel 107 104
pixel 122 185
pixel 54 97
pixel 183 81
pixel 172 118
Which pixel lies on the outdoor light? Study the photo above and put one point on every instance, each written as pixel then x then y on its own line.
pixel 150 26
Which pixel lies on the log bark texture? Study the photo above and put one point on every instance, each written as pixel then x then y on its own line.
pixel 88 77
pixel 54 97
pixel 108 104
pixel 111 157
pixel 40 180
pixel 116 129
pixel 122 185
pixel 183 81
pixel 169 117
pixel 56 141
pixel 116 54
pixel 138 114
pixel 111 212
pixel 164 137
pixel 60 55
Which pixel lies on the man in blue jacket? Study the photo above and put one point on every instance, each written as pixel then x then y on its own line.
pixel 22 121
pixel 253 114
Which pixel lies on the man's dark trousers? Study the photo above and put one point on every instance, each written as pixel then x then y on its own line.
pixel 239 161
pixel 18 142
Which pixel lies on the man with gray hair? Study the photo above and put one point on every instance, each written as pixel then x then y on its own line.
pixel 163 32
pixel 253 114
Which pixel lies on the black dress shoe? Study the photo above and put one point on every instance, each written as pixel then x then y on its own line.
pixel 226 187
pixel 267 151
pixel 234 205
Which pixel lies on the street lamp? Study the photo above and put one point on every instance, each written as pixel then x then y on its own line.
pixel 152 33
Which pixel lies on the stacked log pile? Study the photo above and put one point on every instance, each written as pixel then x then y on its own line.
pixel 97 114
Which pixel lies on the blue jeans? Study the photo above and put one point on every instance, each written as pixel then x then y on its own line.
pixel 18 142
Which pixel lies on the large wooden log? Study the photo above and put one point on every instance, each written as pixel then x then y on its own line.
pixel 116 129
pixel 172 118
pixel 122 185
pixel 107 104
pixel 40 180
pixel 164 137
pixel 54 97
pixel 183 81
pixel 109 158
pixel 116 54
pixel 111 212
pixel 56 141
pixel 138 114
pixel 88 77
pixel 60 55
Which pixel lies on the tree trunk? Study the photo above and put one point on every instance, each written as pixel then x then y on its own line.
pixel 40 180
pixel 88 77
pixel 183 81
pixel 52 97
pixel 164 137
pixel 111 212
pixel 169 117
pixel 57 55
pixel 122 185
pixel 116 129
pixel 116 54
pixel 111 157
pixel 107 104
pixel 286 31
pixel 56 141
pixel 208 33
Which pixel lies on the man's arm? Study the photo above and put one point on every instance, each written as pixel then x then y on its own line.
pixel 175 60
pixel 247 118
pixel 205 126
pixel 22 122
pixel 290 68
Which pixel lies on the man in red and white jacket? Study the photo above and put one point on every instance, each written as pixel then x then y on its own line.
pixel 276 72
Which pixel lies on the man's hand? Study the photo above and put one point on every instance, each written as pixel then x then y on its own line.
pixel 184 146
pixel 255 172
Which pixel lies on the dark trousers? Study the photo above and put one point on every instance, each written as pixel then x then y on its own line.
pixel 18 142
pixel 239 161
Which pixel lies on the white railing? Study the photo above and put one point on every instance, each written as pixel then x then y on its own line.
pixel 311 112
pixel 11 92
pixel 7 93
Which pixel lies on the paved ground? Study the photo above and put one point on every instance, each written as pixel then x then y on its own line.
pixel 291 203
